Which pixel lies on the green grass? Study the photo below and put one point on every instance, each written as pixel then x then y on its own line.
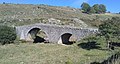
pixel 26 53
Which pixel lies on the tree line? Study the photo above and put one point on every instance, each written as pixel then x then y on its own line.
pixel 96 8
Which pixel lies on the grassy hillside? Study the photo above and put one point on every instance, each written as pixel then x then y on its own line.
pixel 26 53
pixel 21 14
pixel 49 54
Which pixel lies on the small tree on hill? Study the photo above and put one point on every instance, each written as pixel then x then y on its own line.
pixel 102 8
pixel 99 8
pixel 85 7
pixel 96 7
pixel 92 10
pixel 7 35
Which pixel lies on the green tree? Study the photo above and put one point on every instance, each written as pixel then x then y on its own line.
pixel 85 7
pixel 92 10
pixel 96 8
pixel 99 8
pixel 7 35
pixel 102 8
pixel 110 29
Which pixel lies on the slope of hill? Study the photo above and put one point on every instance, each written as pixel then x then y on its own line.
pixel 21 14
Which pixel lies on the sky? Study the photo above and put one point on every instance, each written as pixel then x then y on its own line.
pixel 111 5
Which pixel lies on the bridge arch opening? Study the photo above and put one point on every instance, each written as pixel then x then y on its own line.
pixel 36 35
pixel 66 39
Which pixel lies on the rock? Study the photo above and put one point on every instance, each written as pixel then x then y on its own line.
pixel 54 21
pixel 83 24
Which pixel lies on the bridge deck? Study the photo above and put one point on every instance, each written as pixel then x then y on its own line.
pixel 60 26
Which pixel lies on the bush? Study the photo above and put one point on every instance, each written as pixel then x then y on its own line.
pixel 7 34
pixel 69 62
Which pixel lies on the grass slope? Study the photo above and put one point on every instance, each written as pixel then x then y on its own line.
pixel 49 54
pixel 22 14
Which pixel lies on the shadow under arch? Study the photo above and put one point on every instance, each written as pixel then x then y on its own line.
pixel 36 35
pixel 65 39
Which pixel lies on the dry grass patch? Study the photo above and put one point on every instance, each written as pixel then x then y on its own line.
pixel 48 54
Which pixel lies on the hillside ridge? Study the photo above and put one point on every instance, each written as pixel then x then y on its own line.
pixel 22 14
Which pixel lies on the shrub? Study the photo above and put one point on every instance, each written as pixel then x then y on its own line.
pixel 68 62
pixel 7 34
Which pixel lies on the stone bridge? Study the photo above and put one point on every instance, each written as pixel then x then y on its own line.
pixel 55 33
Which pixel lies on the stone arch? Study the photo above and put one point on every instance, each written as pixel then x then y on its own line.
pixel 65 39
pixel 36 35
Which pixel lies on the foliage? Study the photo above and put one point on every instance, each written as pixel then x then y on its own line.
pixel 96 8
pixel 110 28
pixel 91 38
pixel 85 7
pixel 89 43
pixel 92 10
pixel 102 8
pixel 99 8
pixel 7 34
pixel 109 32
pixel 69 62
